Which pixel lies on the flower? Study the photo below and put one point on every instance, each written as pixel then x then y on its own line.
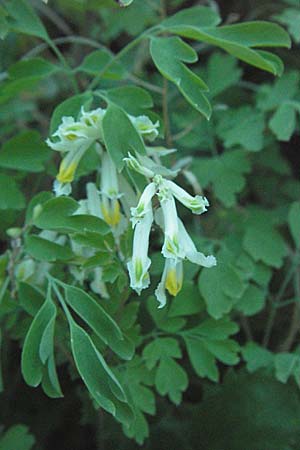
pixel 171 247
pixel 93 121
pixel 197 204
pixel 144 204
pixel 145 127
pixel 110 205
pixel 134 164
pixel 69 134
pixel 172 279
pixel 139 265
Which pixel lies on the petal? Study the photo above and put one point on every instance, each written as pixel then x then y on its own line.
pixel 197 204
pixel 143 205
pixel 134 164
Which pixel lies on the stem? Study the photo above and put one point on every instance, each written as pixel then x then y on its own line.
pixel 246 327
pixel 64 40
pixel 166 117
pixel 65 64
pixel 272 316
pixel 119 55
pixel 295 322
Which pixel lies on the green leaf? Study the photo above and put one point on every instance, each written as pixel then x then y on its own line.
pixel 45 250
pixel 252 301
pixel 99 321
pixel 31 365
pixel 291 18
pixel 69 107
pixel 226 173
pixel 26 151
pixel 23 19
pixel 171 379
pixel 30 298
pixel 132 99
pixel 1 377
pixel 159 348
pixel 201 359
pixel 161 318
pixel 95 373
pixel 56 214
pixel 4 26
pixel 221 287
pixel 284 89
pixel 10 195
pixel 285 365
pixel 215 329
pixel 197 16
pixel 24 76
pixel 265 244
pixel 256 357
pixel 169 56
pixel 32 67
pixel 94 63
pixel 294 222
pixel 120 136
pixel 242 126
pixel 50 382
pixel 283 122
pixel 239 40
pixel 231 73
pixel 17 437
pixel 187 302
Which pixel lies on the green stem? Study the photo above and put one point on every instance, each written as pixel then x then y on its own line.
pixel 65 64
pixel 272 316
pixel 121 53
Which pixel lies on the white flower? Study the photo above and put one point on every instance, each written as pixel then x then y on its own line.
pixel 146 128
pixel 93 200
pixel 68 134
pixel 134 164
pixel 61 188
pixel 139 265
pixel 197 204
pixel 171 247
pixel 97 285
pixel 70 162
pixel 109 177
pixel 144 204
pixel 93 122
pixel 171 280
pixel 110 206
pixel 189 249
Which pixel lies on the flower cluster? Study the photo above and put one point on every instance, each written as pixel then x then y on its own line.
pixel 74 138
pixel 177 246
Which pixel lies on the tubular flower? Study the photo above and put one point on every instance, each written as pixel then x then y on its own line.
pixel 178 245
pixel 139 265
pixel 93 200
pixel 144 204
pixel 172 279
pixel 134 164
pixel 110 206
pixel 171 247
pixel 197 204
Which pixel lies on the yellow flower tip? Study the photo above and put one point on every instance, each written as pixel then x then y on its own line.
pixel 111 213
pixel 66 173
pixel 173 282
